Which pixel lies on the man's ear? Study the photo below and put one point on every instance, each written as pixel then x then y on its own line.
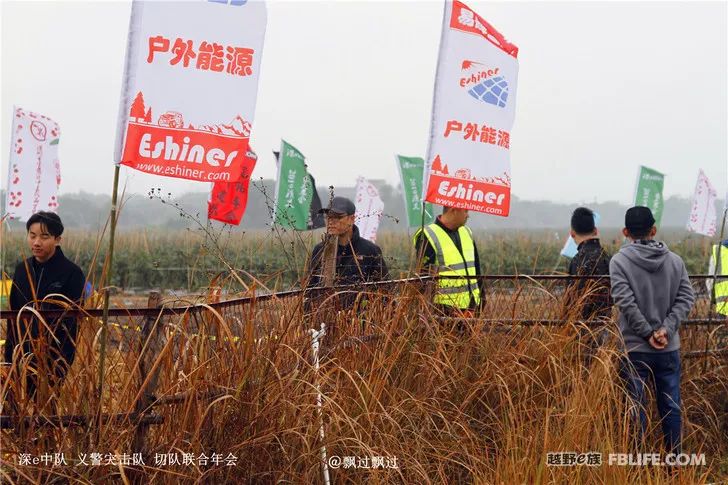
pixel 653 231
pixel 572 233
pixel 626 233
pixel 58 240
pixel 596 231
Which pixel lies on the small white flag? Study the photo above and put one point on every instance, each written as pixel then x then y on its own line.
pixel 369 209
pixel 34 172
pixel 703 217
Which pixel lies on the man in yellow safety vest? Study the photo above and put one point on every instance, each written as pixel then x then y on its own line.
pixel 719 266
pixel 446 248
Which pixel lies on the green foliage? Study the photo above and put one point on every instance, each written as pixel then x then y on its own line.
pixel 186 259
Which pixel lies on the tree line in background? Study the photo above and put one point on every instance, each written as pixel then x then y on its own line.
pixel 90 211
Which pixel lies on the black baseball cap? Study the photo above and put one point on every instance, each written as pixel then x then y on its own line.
pixel 340 205
pixel 638 219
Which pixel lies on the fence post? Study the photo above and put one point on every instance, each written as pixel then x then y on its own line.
pixel 150 345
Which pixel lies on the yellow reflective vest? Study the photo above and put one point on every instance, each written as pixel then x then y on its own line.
pixel 721 286
pixel 453 292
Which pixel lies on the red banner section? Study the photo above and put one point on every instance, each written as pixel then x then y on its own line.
pixel 184 153
pixel 469 194
pixel 465 19
pixel 228 201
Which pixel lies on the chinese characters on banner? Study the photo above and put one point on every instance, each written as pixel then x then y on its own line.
pixel 34 172
pixel 468 161
pixel 228 200
pixel 411 170
pixel 649 191
pixel 369 209
pixel 189 90
pixel 703 216
pixel 297 202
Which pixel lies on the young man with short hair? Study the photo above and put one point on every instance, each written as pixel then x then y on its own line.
pixel 590 260
pixel 650 286
pixel 46 273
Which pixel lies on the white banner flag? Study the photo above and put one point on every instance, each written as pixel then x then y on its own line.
pixel 34 172
pixel 703 217
pixel 369 209
pixel 468 161
pixel 190 87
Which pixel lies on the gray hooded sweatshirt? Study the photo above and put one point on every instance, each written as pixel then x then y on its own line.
pixel 650 286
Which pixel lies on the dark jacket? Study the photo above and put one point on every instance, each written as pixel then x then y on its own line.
pixel 428 257
pixel 357 262
pixel 590 260
pixel 57 275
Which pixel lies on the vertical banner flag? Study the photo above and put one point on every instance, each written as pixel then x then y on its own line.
pixel 369 209
pixel 316 218
pixel 228 200
pixel 189 88
pixel 649 191
pixel 570 248
pixel 703 216
pixel 34 172
pixel 411 172
pixel 294 190
pixel 468 159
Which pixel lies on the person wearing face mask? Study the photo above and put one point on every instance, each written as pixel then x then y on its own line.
pixel 47 280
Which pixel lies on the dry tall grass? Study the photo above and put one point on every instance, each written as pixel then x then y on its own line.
pixel 452 404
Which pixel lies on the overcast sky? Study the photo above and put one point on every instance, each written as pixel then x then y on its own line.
pixel 603 87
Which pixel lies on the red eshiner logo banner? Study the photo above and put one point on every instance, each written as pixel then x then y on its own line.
pixel 190 154
pixel 469 194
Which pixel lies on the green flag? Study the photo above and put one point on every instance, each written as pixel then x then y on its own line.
pixel 411 171
pixel 294 191
pixel 649 191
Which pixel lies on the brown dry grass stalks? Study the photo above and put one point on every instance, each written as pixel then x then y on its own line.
pixel 469 403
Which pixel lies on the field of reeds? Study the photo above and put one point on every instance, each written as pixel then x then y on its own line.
pixel 230 393
pixel 188 259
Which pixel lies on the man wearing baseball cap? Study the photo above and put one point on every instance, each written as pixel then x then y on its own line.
pixel 357 259
pixel 651 289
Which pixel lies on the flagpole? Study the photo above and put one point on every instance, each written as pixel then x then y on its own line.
pixel 109 272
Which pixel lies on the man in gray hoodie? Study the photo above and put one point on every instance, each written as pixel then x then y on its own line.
pixel 651 289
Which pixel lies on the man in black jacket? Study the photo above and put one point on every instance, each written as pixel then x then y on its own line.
pixel 46 273
pixel 357 259
pixel 591 295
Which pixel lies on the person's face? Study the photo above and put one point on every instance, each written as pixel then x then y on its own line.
pixel 41 242
pixel 460 216
pixel 338 224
